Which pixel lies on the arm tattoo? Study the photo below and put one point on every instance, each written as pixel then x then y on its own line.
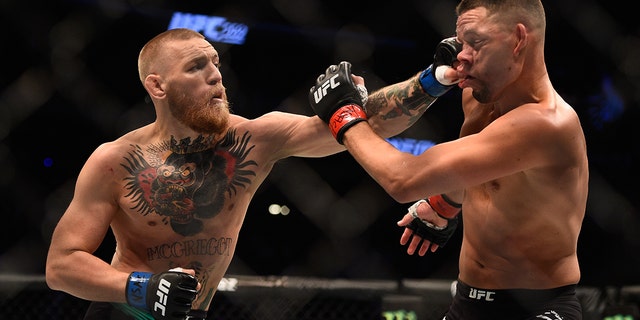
pixel 409 100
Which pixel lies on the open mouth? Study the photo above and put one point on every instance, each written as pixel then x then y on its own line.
pixel 216 95
pixel 462 83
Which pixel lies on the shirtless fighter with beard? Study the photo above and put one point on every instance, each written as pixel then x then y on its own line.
pixel 175 192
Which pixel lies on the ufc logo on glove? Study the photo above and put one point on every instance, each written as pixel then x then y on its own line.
pixel 162 293
pixel 322 91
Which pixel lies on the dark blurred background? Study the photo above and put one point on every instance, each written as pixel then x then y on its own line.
pixel 69 82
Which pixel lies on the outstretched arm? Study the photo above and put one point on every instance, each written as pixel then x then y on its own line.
pixel 396 107
pixel 389 110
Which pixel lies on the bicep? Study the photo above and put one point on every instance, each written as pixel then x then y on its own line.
pixel 79 229
pixel 502 148
pixel 88 216
pixel 297 135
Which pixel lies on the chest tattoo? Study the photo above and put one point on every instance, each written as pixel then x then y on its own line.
pixel 186 181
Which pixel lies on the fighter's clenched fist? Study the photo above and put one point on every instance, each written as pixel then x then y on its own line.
pixel 337 100
pixel 166 295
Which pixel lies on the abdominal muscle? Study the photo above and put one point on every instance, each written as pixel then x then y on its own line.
pixel 495 271
pixel 529 249
pixel 208 253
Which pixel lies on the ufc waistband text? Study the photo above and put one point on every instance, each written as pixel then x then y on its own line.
pixel 478 294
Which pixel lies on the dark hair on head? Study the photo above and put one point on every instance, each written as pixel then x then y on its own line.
pixel 529 12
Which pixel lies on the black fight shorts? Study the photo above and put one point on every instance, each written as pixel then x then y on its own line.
pixel 518 304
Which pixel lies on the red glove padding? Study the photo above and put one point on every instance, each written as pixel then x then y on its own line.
pixel 343 118
pixel 427 231
pixel 444 206
pixel 336 99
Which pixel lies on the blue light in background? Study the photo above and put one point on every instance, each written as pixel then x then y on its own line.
pixel 214 28
pixel 607 106
pixel 48 162
pixel 413 146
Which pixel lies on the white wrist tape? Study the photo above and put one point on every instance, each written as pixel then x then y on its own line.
pixel 414 214
pixel 439 74
pixel 364 94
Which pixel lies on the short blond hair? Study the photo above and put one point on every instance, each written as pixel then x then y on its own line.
pixel 154 48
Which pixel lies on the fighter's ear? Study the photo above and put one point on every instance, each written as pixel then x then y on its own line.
pixel 153 85
pixel 522 39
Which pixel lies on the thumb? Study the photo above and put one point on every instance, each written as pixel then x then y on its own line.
pixel 188 271
pixel 447 75
pixel 406 219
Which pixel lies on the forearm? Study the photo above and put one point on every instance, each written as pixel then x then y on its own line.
pixel 394 108
pixel 392 172
pixel 407 101
pixel 402 174
pixel 87 277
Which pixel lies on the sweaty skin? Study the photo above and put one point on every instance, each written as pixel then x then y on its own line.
pixel 519 168
pixel 175 192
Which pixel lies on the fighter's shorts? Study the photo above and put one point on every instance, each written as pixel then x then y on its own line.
pixel 518 304
pixel 114 311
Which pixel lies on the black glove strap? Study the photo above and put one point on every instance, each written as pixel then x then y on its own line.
pixel 195 314
pixel 439 237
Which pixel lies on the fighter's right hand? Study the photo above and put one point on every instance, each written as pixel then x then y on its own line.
pixel 167 295
pixel 336 99
pixel 438 223
pixel 433 78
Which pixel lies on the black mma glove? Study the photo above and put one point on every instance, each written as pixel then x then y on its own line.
pixel 439 236
pixel 167 295
pixel 446 209
pixel 197 315
pixel 337 100
pixel 432 78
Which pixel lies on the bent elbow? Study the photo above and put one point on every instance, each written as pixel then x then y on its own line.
pixel 50 280
pixel 406 188
pixel 398 191
pixel 52 277
pixel 401 197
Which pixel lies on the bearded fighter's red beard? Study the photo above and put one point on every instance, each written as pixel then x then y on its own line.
pixel 201 115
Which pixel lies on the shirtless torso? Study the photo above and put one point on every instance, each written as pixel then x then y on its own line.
pixel 182 202
pixel 508 242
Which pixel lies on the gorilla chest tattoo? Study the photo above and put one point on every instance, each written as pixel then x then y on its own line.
pixel 185 182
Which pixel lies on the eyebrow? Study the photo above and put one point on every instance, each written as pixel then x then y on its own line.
pixel 467 33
